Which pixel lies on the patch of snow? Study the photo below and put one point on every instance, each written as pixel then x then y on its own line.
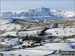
pixel 10 26
pixel 10 33
pixel 29 33
pixel 60 31
pixel 2 21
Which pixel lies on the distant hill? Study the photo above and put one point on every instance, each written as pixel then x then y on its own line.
pixel 38 15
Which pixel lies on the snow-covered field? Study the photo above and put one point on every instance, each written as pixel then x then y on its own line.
pixel 3 21
pixel 9 26
pixel 48 48
pixel 61 32
pixel 27 52
pixel 51 32
pixel 10 33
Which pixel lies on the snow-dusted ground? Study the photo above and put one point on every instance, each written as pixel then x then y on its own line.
pixel 8 28
pixel 51 32
pixel 70 39
pixel 3 21
pixel 27 52
pixel 9 41
pixel 61 31
pixel 58 46
pixel 10 33
pixel 11 26
pixel 33 33
pixel 48 48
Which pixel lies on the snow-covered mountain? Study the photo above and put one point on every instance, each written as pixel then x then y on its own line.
pixel 38 15
pixel 35 12
pixel 6 14
pixel 63 13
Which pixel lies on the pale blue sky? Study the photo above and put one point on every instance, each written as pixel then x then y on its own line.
pixel 24 5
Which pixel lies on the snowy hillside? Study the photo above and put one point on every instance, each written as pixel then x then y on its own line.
pixel 63 13
pixel 48 48
pixel 61 31
pixel 6 14
pixel 34 12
